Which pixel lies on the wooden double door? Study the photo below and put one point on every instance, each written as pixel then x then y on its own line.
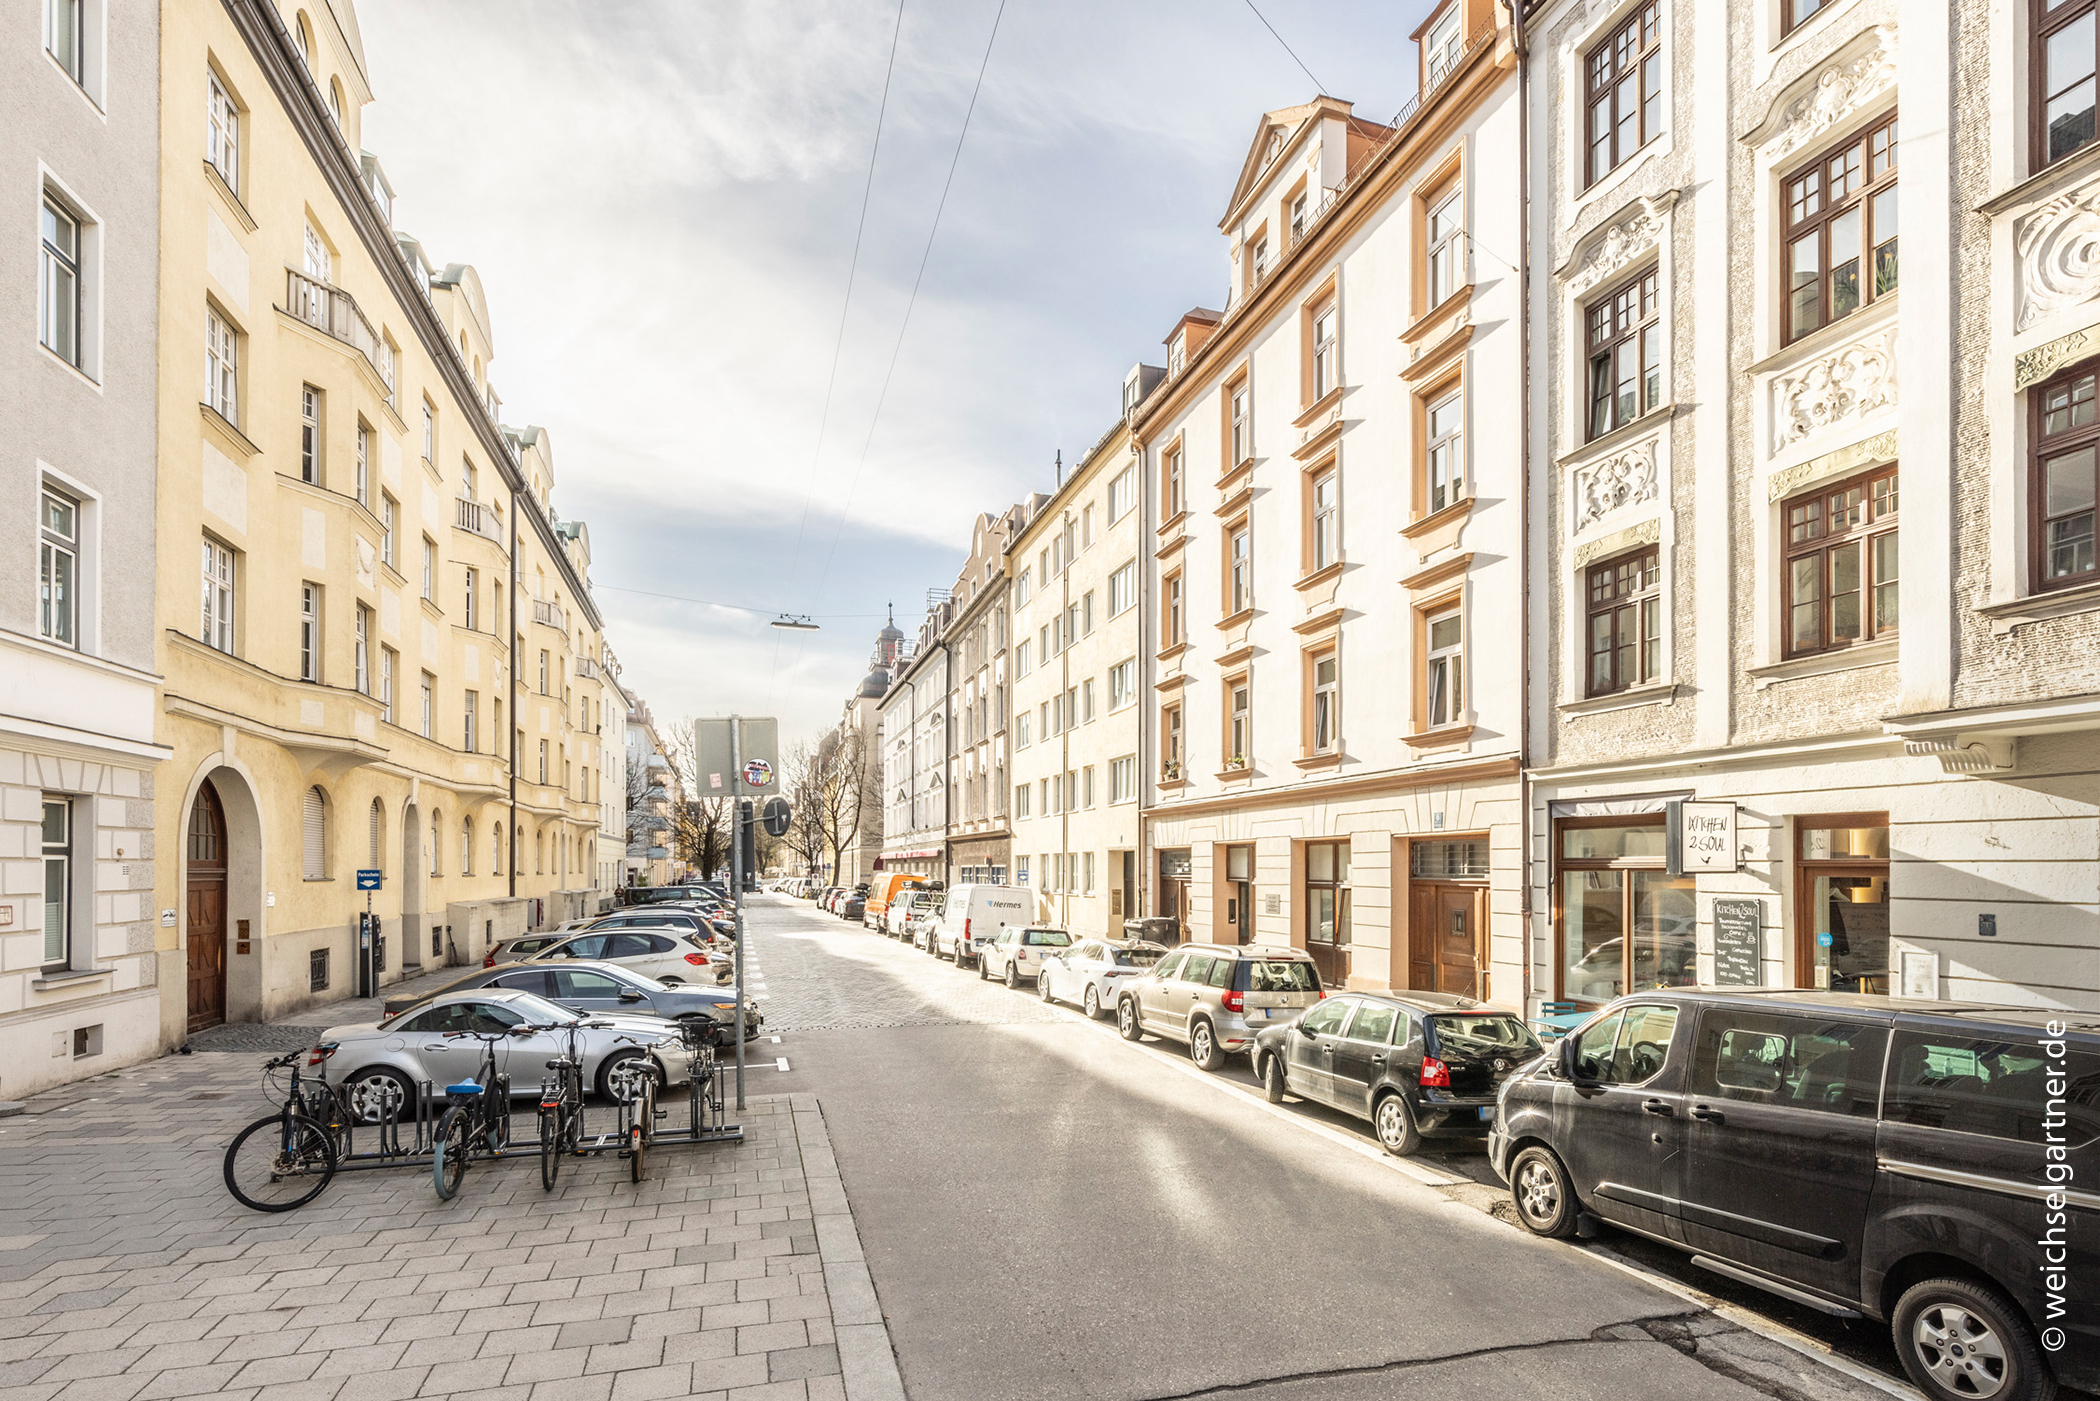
pixel 205 920
pixel 1447 938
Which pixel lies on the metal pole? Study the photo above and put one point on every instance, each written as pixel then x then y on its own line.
pixel 736 880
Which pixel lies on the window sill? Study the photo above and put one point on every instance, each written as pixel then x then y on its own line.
pixel 1323 575
pixel 1233 473
pixel 1170 653
pixel 1435 520
pixel 57 978
pixel 1663 693
pixel 2038 607
pixel 1310 763
pixel 1236 504
pixel 1317 407
pixel 1233 620
pixel 1173 785
pixel 1852 326
pixel 1427 321
pixel 1441 738
pixel 225 429
pixel 431 607
pixel 226 192
pixel 1604 444
pixel 1826 663
pixel 1173 522
pixel 1239 775
pixel 2044 181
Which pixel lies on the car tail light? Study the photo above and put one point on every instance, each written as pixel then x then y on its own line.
pixel 1435 1074
pixel 966 929
pixel 698 960
pixel 1234 1001
pixel 320 1054
pixel 490 961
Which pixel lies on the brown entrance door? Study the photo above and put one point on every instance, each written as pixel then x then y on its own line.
pixel 207 912
pixel 1446 932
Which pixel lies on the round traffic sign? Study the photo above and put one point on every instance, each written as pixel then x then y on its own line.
pixel 776 816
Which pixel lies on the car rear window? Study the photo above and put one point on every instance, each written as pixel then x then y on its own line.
pixel 1280 975
pixel 1050 938
pixel 1481 1034
pixel 1139 958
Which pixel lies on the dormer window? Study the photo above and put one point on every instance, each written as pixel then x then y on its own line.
pixel 1260 259
pixel 1440 49
pixel 1297 218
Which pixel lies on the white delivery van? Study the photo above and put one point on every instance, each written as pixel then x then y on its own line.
pixel 972 916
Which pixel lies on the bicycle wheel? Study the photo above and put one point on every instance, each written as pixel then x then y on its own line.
pixel 644 1127
pixel 448 1158
pixel 550 1148
pixel 278 1163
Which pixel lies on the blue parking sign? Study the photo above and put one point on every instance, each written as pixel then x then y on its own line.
pixel 368 880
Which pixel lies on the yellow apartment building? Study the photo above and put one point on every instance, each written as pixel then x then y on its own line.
pixel 376 635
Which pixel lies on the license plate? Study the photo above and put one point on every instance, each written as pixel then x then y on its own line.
pixel 1487 1111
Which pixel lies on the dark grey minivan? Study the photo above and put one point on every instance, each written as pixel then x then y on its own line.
pixel 1932 1164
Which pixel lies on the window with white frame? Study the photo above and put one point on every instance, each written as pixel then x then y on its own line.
pixel 473 591
pixel 1239 726
pixel 430 554
pixel 1447 259
pixel 1021 727
pixel 309 632
pixel 1021 867
pixel 364 464
pixel 222 142
pixel 429 431
pixel 543 761
pixel 1122 779
pixel 387 657
pixel 1024 587
pixel 1122 683
pixel 1446 450
pixel 1240 569
pixel 1326 351
pixel 59 294
pixel 65 36
pixel 1242 427
pixel 216 626
pixel 1086 614
pixel 320 266
pixel 1446 669
pixel 389 509
pixel 1440 48
pixel 1326 520
pixel 1086 696
pixel 429 704
pixel 57 850
pixel 1023 793
pixel 1122 589
pixel 221 367
pixel 361 660
pixel 1122 494
pixel 1326 703
pixel 309 434
pixel 470 729
pixel 58 568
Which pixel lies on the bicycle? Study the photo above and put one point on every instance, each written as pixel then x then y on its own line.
pixel 561 1106
pixel 477 1115
pixel 284 1160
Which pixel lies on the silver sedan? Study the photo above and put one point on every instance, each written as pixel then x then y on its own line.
pixel 383 1062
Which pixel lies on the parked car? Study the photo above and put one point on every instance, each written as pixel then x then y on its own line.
pixel 635 895
pixel 1925 1163
pixel 524 946
pixel 921 912
pixel 971 916
pixel 667 956
pixel 1416 1064
pixel 1018 952
pixel 1215 997
pixel 853 907
pixel 378 1062
pixel 597 987
pixel 881 890
pixel 1090 972
pixel 896 920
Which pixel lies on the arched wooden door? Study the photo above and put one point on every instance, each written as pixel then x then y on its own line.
pixel 206 924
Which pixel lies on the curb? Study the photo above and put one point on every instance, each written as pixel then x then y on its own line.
pixel 867 1360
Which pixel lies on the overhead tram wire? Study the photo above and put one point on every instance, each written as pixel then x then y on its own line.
pixel 895 351
pixel 1318 86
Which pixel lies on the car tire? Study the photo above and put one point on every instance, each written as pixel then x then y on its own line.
pixel 983 974
pixel 1959 1339
pixel 1013 974
pixel 1545 1199
pixel 618 1066
pixel 1090 1003
pixel 1273 1085
pixel 671 982
pixel 1204 1049
pixel 1395 1124
pixel 1127 1020
pixel 1042 986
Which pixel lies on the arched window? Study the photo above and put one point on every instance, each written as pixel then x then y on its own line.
pixel 539 853
pixel 495 848
pixel 313 835
pixel 335 100
pixel 303 32
pixel 466 846
pixel 378 836
pixel 437 842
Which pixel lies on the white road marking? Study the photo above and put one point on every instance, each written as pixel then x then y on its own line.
pixel 776 1041
pixel 780 1062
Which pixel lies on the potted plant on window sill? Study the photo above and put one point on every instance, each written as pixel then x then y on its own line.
pixel 1237 761
pixel 1170 772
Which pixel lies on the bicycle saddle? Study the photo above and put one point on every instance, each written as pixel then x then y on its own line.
pixel 465 1087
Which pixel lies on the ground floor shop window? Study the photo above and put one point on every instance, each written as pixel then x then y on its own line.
pixel 1624 923
pixel 1327 910
pixel 1841 938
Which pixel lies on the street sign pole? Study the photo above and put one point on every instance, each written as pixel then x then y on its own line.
pixel 736 882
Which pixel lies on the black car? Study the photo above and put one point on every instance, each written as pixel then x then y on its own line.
pixel 1932 1164
pixel 1416 1064
pixel 853 906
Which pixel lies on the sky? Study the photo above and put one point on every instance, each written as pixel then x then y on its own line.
pixel 662 201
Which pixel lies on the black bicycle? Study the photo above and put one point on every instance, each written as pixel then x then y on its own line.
pixel 561 1106
pixel 285 1160
pixel 476 1118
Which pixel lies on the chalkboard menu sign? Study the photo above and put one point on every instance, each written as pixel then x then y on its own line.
pixel 1738 942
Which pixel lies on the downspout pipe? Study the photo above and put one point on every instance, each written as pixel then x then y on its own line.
pixel 510 647
pixel 1522 44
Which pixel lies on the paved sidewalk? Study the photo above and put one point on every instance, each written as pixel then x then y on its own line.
pixel 127 1273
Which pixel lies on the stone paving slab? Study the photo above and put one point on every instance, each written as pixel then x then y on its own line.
pixel 128 1272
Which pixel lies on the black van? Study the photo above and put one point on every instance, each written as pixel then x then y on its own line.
pixel 1932 1164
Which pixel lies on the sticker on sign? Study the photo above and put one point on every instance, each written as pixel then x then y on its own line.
pixel 758 773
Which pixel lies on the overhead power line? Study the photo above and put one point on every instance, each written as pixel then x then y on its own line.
pixel 1317 84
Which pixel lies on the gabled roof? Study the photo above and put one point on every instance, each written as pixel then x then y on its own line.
pixel 1289 121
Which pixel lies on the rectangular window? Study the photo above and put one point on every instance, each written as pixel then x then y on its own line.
pixel 429 704
pixel 1838 249
pixel 1240 439
pixel 1841 911
pixel 1122 589
pixel 388 510
pixel 310 632
pixel 1445 441
pixel 2064 56
pixel 1841 563
pixel 543 672
pixel 1022 723
pixel 1623 91
pixel 1086 614
pixel 361 661
pixel 1021 664
pixel 1021 867
pixel 543 761
pixel 1088 863
pixel 364 464
pixel 1239 588
pixel 1024 588
pixel 1175 501
pixel 1122 779
pixel 57 849
pixel 1022 795
pixel 1327 894
pixel 57 568
pixel 1172 623
pixel 1239 723
pixel 2066 438
pixel 473 591
pixel 222 146
pixel 469 730
pixel 221 368
pixel 1122 494
pixel 429 431
pixel 1625 621
pixel 320 265
pixel 386 684
pixel 65 36
pixel 430 556
pixel 1170 755
pixel 1122 684
pixel 1086 694
pixel 1326 352
pixel 216 628
pixel 1086 786
pixel 1625 354
pixel 1444 236
pixel 1326 539
pixel 1086 526
pixel 469 479
pixel 1043 796
pixel 58 288
pixel 1446 669
pixel 1326 703
pixel 309 434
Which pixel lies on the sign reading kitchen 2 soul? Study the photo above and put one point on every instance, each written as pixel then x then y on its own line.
pixel 1700 838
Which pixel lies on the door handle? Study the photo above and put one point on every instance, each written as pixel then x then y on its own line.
pixel 1378 1060
pixel 1706 1114
pixel 1662 1107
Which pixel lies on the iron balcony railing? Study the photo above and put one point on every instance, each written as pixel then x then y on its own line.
pixel 334 312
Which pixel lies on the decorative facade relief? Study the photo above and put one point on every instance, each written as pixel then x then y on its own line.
pixel 1879 448
pixel 2038 364
pixel 1648 532
pixel 1840 90
pixel 1620 244
pixel 1623 479
pixel 2058 246
pixel 1850 382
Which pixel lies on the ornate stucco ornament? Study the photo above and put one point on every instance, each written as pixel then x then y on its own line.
pixel 2058 246
pixel 1850 382
pixel 1840 90
pixel 1640 230
pixel 1624 479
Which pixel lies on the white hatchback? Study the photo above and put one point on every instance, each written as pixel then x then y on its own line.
pixel 1090 972
pixel 1019 952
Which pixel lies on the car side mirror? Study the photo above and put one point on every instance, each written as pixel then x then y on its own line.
pixel 630 994
pixel 1566 1061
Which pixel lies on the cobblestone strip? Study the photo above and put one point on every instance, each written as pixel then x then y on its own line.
pixel 866 1359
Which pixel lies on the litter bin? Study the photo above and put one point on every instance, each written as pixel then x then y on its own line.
pixel 1160 929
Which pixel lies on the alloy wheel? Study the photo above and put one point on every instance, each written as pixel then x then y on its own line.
pixel 1538 1191
pixel 1091 1004
pixel 1960 1350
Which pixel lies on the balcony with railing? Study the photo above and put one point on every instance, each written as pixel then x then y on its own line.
pixel 479 518
pixel 587 670
pixel 551 614
pixel 335 313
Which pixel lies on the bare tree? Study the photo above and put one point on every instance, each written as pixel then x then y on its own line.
pixel 803 788
pixel 702 824
pixel 843 788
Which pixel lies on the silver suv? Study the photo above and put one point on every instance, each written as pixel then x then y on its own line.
pixel 1214 997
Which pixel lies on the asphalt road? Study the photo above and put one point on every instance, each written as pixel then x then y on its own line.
pixel 1048 1211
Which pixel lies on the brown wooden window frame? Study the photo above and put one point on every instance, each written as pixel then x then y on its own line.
pixel 1873 176
pixel 2046 22
pixel 2041 448
pixel 1626 321
pixel 1634 584
pixel 1870 519
pixel 1631 52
